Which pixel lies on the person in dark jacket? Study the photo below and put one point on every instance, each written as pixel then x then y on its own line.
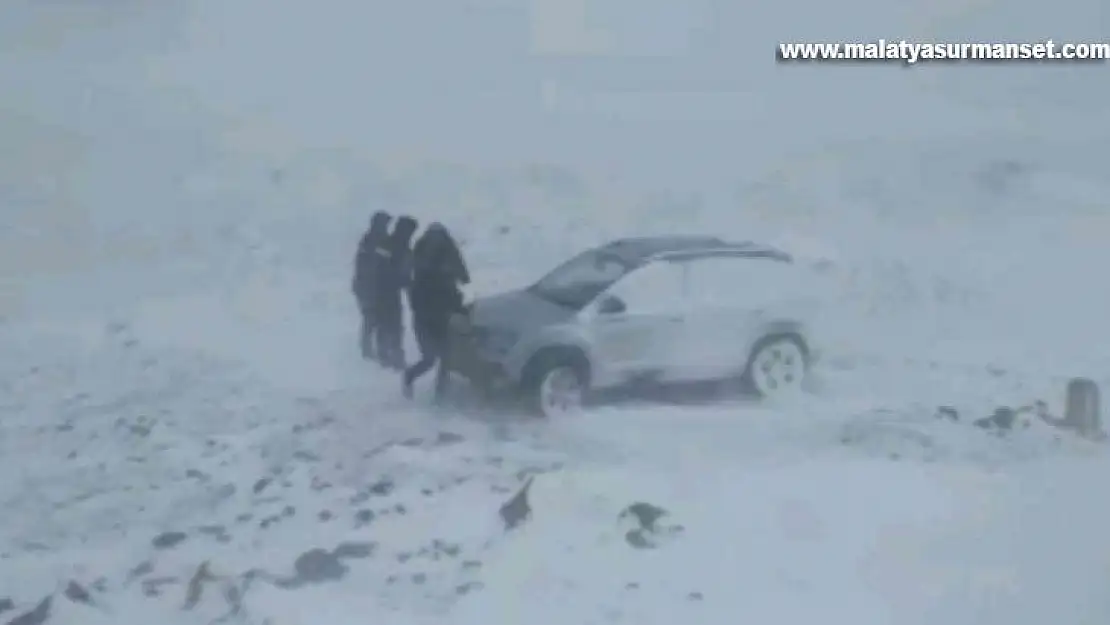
pixel 437 247
pixel 367 266
pixel 394 277
pixel 438 270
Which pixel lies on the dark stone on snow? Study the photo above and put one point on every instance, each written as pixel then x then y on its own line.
pixel 450 550
pixel 306 456
pixel 517 510
pixel 153 587
pixel 261 485
pixel 382 487
pixel 36 616
pixel 217 532
pixel 467 588
pixel 168 540
pixel 1003 419
pixel 364 517
pixel 638 539
pixel 194 590
pixel 355 550
pixel 317 566
pixel 6 604
pixel 448 438
pixel 224 492
pixel 143 568
pixel 948 412
pixel 645 514
pixel 76 593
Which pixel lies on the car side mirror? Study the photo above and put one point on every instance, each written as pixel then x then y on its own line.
pixel 611 305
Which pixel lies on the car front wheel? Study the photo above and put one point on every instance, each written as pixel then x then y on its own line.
pixel 556 383
pixel 777 367
pixel 560 392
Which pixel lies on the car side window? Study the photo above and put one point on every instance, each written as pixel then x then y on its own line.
pixel 735 280
pixel 658 286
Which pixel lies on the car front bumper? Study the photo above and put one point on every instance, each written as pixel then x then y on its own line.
pixel 468 359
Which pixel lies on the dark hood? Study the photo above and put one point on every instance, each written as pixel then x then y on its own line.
pixel 517 311
pixel 379 224
pixel 404 229
pixel 428 251
pixel 437 251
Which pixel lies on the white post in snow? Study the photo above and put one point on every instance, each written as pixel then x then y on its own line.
pixel 1081 411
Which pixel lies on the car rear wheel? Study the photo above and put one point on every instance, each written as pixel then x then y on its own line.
pixel 777 367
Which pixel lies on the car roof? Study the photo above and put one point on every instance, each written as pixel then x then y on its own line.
pixel 638 249
pixel 679 247
pixel 730 251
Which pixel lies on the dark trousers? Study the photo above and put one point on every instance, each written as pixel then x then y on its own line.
pixel 366 333
pixel 433 350
pixel 389 332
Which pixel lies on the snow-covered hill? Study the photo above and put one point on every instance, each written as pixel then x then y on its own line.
pixel 188 436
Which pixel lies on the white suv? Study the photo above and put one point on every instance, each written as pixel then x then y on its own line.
pixel 656 309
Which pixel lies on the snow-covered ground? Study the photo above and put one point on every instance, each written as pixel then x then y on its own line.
pixel 187 434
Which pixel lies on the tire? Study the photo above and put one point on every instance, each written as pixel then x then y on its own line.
pixel 556 382
pixel 777 366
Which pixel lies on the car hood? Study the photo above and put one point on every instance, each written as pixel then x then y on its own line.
pixel 517 311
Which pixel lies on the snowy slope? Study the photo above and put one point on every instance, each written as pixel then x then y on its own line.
pixel 181 185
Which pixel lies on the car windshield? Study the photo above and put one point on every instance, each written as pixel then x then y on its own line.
pixel 578 281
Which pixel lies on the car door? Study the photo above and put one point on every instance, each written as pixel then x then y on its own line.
pixel 726 307
pixel 638 340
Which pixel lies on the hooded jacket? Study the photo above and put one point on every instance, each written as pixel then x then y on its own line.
pixel 438 269
pixel 438 248
pixel 367 264
pixel 396 257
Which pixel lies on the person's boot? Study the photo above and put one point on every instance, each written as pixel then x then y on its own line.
pixel 440 386
pixel 377 354
pixel 385 357
pixel 406 385
pixel 393 357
